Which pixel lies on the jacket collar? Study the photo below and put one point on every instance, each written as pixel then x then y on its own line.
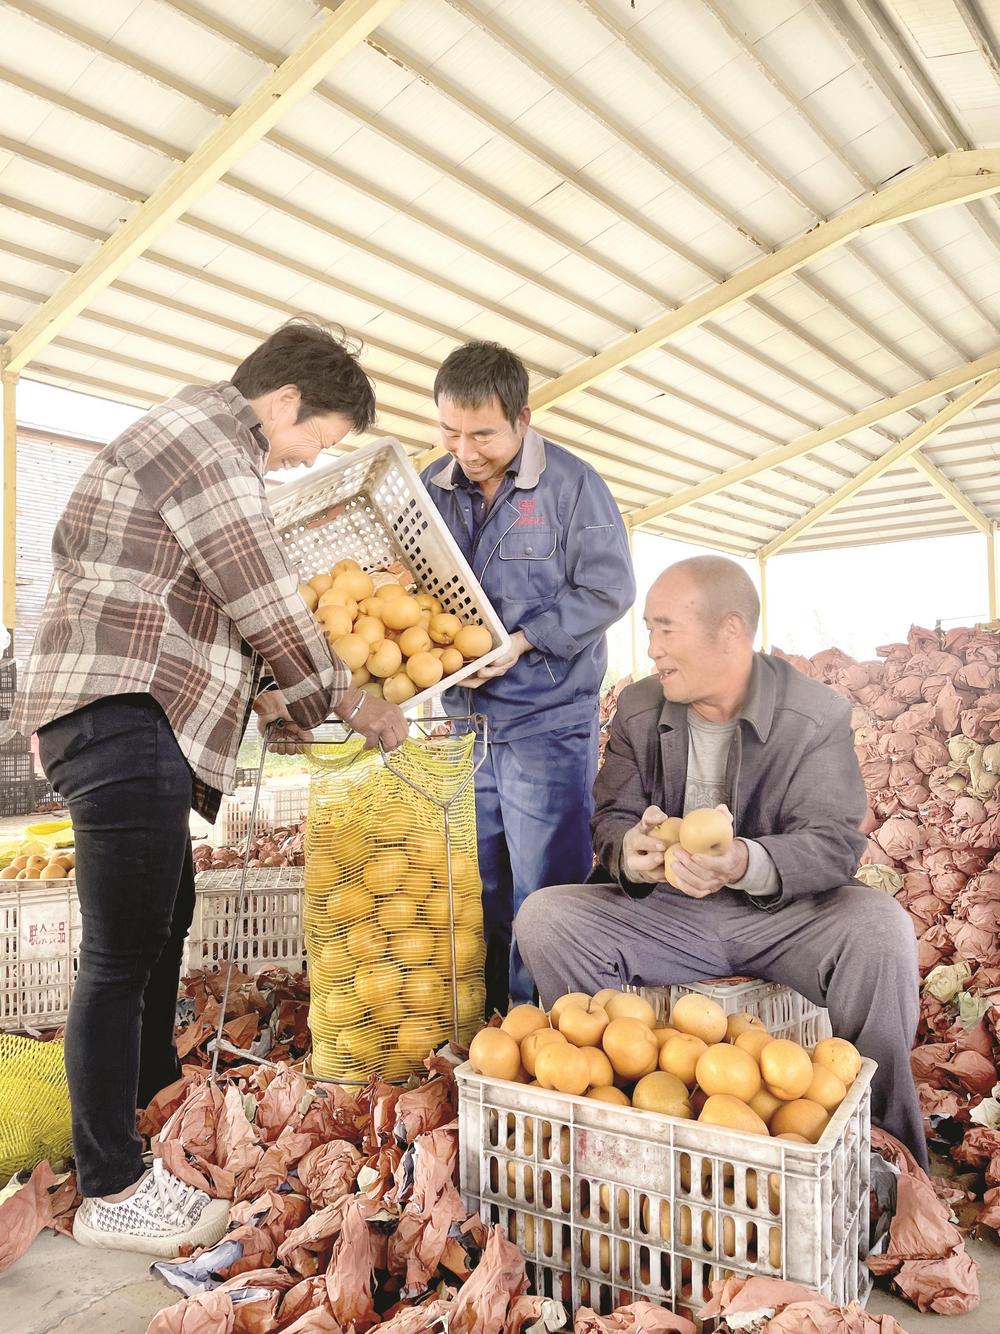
pixel 757 710
pixel 530 470
pixel 238 406
pixel 244 413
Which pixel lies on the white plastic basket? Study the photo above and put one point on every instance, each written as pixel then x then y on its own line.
pixel 272 930
pixel 782 1011
pixel 371 506
pixel 612 1205
pixel 39 949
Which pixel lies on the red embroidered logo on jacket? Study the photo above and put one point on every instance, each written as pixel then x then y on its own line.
pixel 528 517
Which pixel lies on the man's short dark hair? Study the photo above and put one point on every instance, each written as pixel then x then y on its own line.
pixel 477 372
pixel 321 364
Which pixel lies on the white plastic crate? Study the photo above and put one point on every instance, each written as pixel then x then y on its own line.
pixel 372 507
pixel 285 801
pixel 612 1205
pixel 232 824
pixel 279 806
pixel 40 937
pixel 39 948
pixel 782 1011
pixel 272 930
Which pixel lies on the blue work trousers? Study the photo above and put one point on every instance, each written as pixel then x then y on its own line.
pixel 534 800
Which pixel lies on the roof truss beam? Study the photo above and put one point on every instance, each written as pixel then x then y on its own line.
pixel 903 449
pixel 947 488
pixel 955 177
pixel 877 412
pixel 334 37
pixel 248 44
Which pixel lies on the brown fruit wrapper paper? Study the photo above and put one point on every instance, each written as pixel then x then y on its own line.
pixel 430 1318
pixel 926 1257
pixel 350 1275
pixel 329 1171
pixel 26 1213
pixel 307 1248
pixel 636 1318
pixel 425 1108
pixel 820 1317
pixel 418 1242
pixel 206 1313
pixel 484 1300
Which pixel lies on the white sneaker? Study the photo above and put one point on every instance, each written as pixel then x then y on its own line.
pixel 157 1219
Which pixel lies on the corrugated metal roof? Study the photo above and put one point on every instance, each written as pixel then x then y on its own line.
pixel 553 176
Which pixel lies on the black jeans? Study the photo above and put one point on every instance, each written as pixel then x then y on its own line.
pixel 117 765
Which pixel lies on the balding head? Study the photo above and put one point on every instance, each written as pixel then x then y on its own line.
pixel 702 616
pixel 722 588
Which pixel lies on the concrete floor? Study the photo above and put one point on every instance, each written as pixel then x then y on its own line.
pixel 60 1288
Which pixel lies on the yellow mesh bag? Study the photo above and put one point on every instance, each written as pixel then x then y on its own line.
pixel 34 1104
pixel 378 919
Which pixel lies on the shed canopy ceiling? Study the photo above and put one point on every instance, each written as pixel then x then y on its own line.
pixel 556 175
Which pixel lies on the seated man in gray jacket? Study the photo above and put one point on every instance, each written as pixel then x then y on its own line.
pixel 718 724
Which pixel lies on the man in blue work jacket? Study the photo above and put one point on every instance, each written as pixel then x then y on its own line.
pixel 546 541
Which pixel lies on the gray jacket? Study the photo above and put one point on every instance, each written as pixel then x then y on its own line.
pixel 797 788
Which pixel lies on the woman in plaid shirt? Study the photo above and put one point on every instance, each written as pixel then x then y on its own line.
pixel 171 590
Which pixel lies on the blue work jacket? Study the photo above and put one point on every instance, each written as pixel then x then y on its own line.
pixel 552 556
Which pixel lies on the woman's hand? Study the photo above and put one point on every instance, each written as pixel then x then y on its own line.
pixel 378 721
pixel 288 738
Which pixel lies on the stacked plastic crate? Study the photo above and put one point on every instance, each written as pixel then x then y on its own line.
pixel 17 765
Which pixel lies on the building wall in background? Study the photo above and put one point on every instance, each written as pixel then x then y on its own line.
pixel 49 466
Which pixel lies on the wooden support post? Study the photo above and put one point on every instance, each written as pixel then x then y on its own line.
pixel 765 640
pixel 633 615
pixel 991 570
pixel 9 498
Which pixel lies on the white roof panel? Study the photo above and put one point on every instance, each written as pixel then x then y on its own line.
pixel 550 176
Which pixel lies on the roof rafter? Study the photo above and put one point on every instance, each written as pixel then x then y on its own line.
pixel 252 47
pixel 592 189
pixel 235 239
pixel 730 135
pixel 334 37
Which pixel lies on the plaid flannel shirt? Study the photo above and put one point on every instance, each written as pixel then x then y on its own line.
pixel 170 579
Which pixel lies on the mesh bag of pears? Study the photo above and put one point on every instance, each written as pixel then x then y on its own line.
pixel 389 950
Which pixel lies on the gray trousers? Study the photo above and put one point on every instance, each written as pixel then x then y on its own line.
pixel 851 949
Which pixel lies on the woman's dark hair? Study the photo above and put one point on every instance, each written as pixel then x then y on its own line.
pixel 322 365
pixel 476 372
